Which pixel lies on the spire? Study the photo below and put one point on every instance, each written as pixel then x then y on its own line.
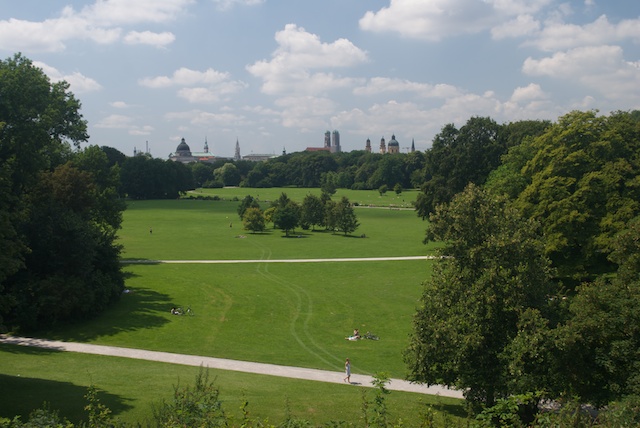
pixel 206 145
pixel 413 145
pixel 237 154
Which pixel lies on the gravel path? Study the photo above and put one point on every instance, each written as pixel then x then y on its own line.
pixel 224 364
pixel 351 259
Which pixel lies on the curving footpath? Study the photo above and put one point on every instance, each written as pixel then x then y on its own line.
pixel 225 364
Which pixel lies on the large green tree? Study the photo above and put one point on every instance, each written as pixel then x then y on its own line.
pixel 312 211
pixel 459 157
pixel 287 217
pixel 345 216
pixel 60 208
pixel 491 273
pixel 584 187
pixel 253 220
pixel 601 341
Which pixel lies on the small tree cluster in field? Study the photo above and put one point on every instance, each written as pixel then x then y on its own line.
pixel 285 214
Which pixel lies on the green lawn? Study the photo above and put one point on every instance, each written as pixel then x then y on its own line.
pixel 284 313
pixel 200 230
pixel 130 388
pixel 360 197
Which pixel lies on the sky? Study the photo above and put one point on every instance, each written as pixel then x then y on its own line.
pixel 276 75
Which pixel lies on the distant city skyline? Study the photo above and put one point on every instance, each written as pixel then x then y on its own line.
pixel 276 74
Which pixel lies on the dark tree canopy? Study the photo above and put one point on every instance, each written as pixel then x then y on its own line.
pixel 59 209
pixel 287 216
pixel 459 157
pixel 493 272
pixel 584 187
pixel 246 203
pixel 150 178
pixel 345 216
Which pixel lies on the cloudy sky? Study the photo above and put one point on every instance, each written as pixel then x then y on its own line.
pixel 277 74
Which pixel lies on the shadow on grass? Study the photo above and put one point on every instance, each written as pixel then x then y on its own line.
pixel 139 309
pixel 457 410
pixel 20 395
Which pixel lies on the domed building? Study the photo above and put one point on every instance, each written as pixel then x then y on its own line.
pixel 393 146
pixel 183 149
pixel 184 154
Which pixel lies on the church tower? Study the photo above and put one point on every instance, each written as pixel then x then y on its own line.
pixel 335 142
pixel 237 156
pixel 206 145
pixel 367 147
pixel 383 146
pixel 413 145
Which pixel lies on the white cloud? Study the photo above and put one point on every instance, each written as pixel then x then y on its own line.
pixel 228 4
pixel 432 20
pixel 119 104
pixel 519 7
pixel 379 85
pixel 78 83
pixel 522 25
pixel 559 35
pixel 599 68
pixel 204 118
pixel 141 130
pixel 185 77
pixel 115 121
pixel 107 13
pixel 299 52
pixel 149 38
pixel 217 84
pixel 306 113
pixel 532 91
pixel 98 22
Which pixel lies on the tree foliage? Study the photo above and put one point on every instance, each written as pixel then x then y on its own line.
pixel 602 337
pixel 459 157
pixel 150 178
pixel 312 211
pixel 345 216
pixel 61 208
pixel 584 186
pixel 246 203
pixel 492 272
pixel 253 220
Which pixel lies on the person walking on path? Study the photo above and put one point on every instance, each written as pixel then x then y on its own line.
pixel 347 371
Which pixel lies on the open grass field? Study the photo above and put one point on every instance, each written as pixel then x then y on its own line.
pixel 284 313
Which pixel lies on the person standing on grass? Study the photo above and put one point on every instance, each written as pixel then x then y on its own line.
pixel 347 371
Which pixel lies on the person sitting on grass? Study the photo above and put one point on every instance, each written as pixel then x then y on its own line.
pixel 355 336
